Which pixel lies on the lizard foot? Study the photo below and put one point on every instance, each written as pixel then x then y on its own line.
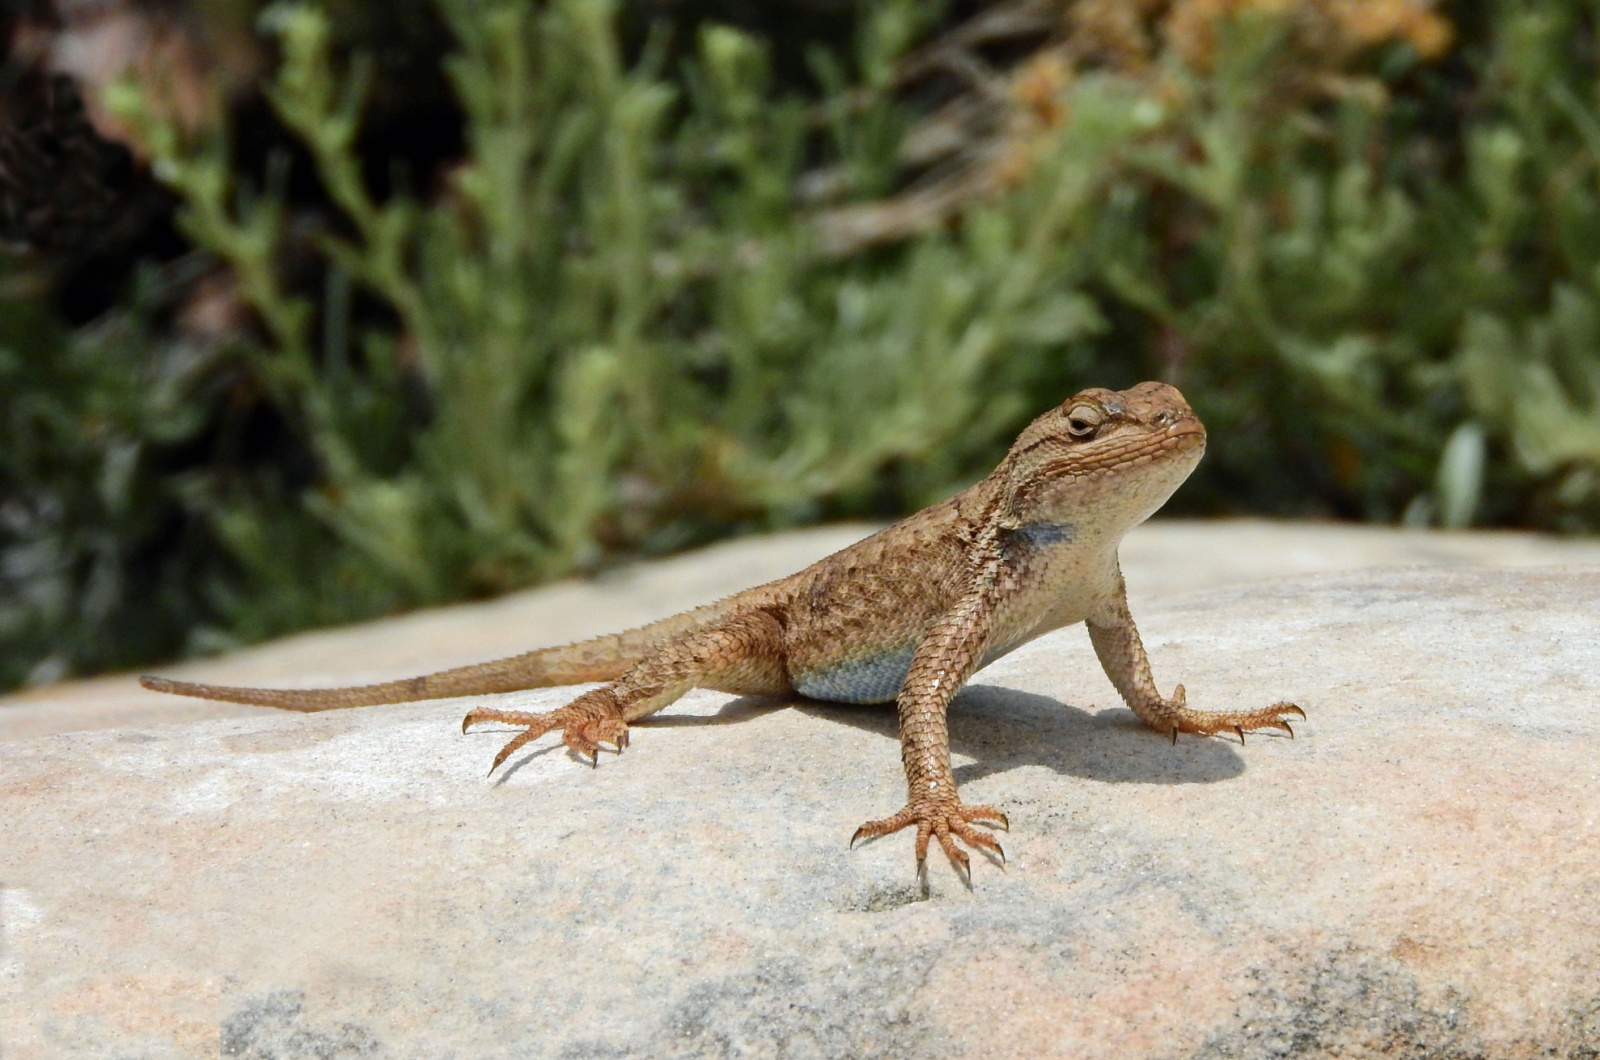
pixel 947 819
pixel 585 724
pixel 1179 718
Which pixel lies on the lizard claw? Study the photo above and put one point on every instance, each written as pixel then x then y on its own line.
pixel 583 730
pixel 1208 723
pixel 947 821
pixel 586 737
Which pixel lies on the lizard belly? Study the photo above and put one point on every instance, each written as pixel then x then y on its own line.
pixel 876 679
pixel 871 679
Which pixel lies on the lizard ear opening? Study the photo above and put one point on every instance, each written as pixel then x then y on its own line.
pixel 1017 501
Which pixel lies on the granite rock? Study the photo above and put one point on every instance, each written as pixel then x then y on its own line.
pixel 1414 875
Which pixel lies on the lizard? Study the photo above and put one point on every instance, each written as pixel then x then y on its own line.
pixel 905 615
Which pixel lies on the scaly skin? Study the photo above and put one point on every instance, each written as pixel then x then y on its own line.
pixel 908 614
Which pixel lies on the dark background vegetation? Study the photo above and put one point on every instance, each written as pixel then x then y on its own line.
pixel 312 312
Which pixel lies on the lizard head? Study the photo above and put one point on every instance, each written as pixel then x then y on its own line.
pixel 1112 456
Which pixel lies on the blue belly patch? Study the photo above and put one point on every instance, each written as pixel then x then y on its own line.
pixel 874 680
pixel 1041 534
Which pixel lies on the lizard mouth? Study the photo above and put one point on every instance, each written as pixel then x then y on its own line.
pixel 1185 440
pixel 1188 432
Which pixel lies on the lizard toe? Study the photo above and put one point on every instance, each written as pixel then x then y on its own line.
pixel 586 723
pixel 520 740
pixel 986 813
pixel 946 820
pixel 534 726
pixel 1239 722
pixel 510 717
pixel 585 736
pixel 978 840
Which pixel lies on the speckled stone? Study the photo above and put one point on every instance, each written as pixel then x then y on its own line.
pixel 1415 875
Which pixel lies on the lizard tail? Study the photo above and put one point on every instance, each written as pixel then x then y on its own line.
pixel 600 659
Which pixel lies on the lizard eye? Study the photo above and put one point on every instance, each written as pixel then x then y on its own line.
pixel 1084 420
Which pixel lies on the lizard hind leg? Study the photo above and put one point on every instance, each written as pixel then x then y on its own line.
pixel 740 654
pixel 593 719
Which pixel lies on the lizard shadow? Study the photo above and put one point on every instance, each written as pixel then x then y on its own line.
pixel 745 708
pixel 1002 729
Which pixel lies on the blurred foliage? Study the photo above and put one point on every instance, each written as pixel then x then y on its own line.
pixel 663 286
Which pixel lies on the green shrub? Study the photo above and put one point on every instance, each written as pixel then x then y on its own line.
pixel 1425 332
pixel 628 318
pixel 96 569
pixel 620 327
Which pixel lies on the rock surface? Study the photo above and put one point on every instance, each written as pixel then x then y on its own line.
pixel 1415 875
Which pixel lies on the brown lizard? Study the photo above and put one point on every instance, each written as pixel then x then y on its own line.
pixel 908 614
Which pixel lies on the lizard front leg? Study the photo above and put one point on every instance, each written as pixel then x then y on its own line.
pixel 1116 641
pixel 742 654
pixel 941 664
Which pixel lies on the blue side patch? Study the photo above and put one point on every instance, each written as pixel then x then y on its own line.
pixel 1041 534
pixel 874 680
